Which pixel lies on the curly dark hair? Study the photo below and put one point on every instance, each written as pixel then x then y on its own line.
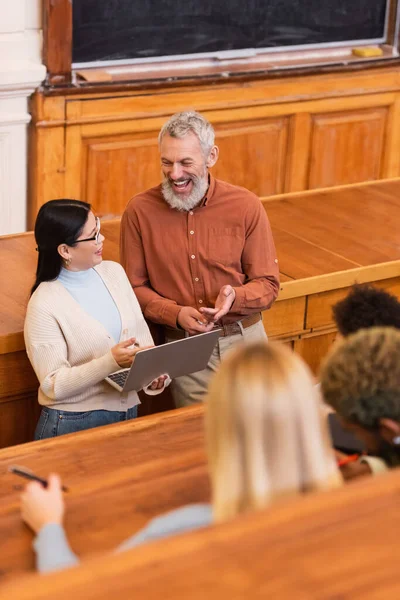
pixel 360 377
pixel 366 306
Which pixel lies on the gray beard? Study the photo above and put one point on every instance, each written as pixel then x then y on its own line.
pixel 198 192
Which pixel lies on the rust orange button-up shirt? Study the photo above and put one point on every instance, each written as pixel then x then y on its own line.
pixel 183 258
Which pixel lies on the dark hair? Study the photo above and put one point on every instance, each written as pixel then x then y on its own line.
pixel 360 380
pixel 360 377
pixel 366 306
pixel 58 222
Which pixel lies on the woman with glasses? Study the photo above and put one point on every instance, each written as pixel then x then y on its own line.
pixel 83 322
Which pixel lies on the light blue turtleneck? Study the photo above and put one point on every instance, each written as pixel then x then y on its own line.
pixel 91 293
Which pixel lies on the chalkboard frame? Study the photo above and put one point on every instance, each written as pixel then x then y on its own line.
pixel 58 39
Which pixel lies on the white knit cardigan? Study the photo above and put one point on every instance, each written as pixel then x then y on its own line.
pixel 70 351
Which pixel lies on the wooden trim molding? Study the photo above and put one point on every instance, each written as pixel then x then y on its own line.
pixel 57 41
pixel 340 279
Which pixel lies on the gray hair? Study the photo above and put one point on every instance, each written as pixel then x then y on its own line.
pixel 180 124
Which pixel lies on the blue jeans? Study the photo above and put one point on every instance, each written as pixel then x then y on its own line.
pixel 53 423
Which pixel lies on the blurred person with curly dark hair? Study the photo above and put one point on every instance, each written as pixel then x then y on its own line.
pixel 360 380
pixel 366 306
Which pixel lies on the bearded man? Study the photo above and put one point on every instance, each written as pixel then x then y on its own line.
pixel 198 251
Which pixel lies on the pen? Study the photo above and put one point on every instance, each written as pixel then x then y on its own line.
pixel 344 461
pixel 23 472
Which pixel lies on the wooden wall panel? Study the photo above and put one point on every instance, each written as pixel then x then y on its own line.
pixel 47 146
pixel 115 168
pixel 118 167
pixel 319 306
pixel 313 349
pixel 285 317
pixel 347 147
pixel 16 375
pixel 18 420
pixel 275 136
pixel 253 154
pixel 19 405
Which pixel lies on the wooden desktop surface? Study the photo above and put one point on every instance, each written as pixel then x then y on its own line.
pixel 318 233
pixel 331 545
pixel 118 476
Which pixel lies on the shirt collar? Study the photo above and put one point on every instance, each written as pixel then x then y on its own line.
pixel 210 191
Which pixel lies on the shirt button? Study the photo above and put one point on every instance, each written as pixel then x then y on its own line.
pixel 192 232
pixel 190 212
pixel 196 278
pixel 276 260
pixel 200 301
pixel 193 256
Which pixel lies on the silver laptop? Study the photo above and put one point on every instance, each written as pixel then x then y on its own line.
pixel 181 357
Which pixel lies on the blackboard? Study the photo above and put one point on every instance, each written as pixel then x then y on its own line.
pixel 105 30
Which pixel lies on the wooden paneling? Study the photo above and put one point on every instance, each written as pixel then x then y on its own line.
pixel 319 309
pixel 57 40
pixel 19 408
pixel 347 147
pixel 19 416
pixel 47 147
pixel 391 164
pixel 253 154
pixel 16 375
pixel 283 135
pixel 285 318
pixel 117 168
pixel 298 153
pixel 314 348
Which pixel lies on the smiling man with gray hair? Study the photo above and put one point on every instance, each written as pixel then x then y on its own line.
pixel 198 251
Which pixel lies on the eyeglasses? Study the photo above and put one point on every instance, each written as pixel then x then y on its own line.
pixel 96 235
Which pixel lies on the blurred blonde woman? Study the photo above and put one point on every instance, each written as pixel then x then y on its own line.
pixel 266 439
pixel 267 436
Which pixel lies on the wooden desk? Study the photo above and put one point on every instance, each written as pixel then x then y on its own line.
pixel 119 477
pixel 341 544
pixel 326 240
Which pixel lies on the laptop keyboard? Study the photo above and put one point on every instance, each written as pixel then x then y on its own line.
pixel 120 377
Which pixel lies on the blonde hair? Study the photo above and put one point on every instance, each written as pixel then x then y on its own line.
pixel 266 434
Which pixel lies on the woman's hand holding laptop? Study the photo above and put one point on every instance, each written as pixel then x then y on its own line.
pixel 124 352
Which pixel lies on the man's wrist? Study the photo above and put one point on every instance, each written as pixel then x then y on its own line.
pixel 177 319
pixel 236 304
pixel 233 293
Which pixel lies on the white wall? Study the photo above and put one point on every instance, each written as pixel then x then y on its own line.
pixel 21 71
